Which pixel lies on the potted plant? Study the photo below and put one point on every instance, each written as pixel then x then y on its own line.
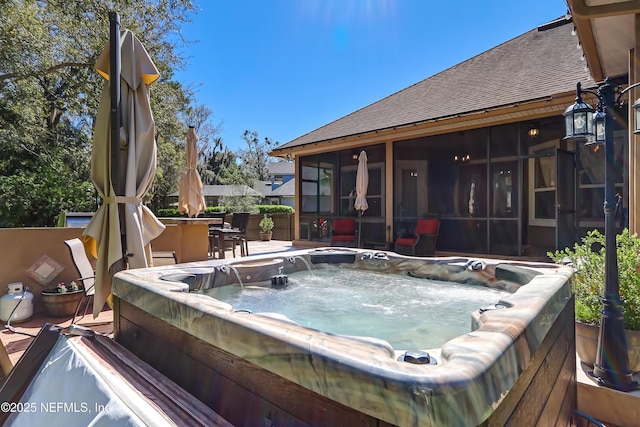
pixel 62 300
pixel 588 260
pixel 266 227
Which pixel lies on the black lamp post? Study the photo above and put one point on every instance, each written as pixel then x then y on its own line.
pixel 611 368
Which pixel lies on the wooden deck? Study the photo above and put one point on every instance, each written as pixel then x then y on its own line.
pixel 611 407
pixel 158 399
pixel 17 342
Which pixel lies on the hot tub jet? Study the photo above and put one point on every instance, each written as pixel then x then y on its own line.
pixel 418 357
pixel 279 280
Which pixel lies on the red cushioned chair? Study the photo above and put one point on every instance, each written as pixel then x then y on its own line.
pixel 423 242
pixel 344 232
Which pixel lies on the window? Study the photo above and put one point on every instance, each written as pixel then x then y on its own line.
pixel 317 188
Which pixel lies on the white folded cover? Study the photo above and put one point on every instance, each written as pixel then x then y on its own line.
pixel 73 388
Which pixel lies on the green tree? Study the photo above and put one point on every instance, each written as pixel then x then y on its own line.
pixel 49 94
pixel 167 103
pixel 255 158
pixel 251 167
pixel 213 156
pixel 219 164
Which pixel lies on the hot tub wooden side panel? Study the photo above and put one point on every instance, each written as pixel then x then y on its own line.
pixel 246 394
pixel 233 387
pixel 545 393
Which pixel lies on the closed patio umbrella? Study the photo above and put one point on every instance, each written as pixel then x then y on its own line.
pixel 362 183
pixel 133 222
pixel 191 197
pixel 472 200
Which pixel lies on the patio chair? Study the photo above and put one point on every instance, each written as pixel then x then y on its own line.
pixel 213 245
pixel 423 242
pixel 343 232
pixel 164 258
pixel 240 220
pixel 86 273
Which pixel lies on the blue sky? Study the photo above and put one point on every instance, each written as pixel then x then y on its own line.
pixel 286 67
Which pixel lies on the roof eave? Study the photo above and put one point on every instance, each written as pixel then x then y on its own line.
pixel 512 112
pixel 583 15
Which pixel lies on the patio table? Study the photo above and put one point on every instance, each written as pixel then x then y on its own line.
pixel 190 221
pixel 221 234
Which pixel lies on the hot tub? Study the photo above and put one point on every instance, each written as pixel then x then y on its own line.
pixel 254 367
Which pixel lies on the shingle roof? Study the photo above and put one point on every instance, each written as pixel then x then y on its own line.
pixel 229 190
pixel 282 168
pixel 262 187
pixel 536 65
pixel 286 189
pixel 226 190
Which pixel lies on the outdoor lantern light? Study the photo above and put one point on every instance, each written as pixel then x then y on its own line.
pixel 533 132
pixel 578 118
pixel 611 368
pixel 598 119
pixel 636 107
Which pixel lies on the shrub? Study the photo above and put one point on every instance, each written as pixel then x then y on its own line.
pixel 169 213
pixel 262 209
pixel 213 209
pixel 275 209
pixel 266 224
pixel 588 261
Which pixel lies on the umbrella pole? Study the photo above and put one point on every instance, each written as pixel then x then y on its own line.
pixel 359 226
pixel 116 111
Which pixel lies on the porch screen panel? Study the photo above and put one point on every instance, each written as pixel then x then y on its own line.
pixel 375 191
pixel 347 191
pixel 316 189
pixel 591 179
pixel 504 189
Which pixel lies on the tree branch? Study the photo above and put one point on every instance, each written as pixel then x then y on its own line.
pixel 10 76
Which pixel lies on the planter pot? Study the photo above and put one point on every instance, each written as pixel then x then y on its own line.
pixel 587 345
pixel 61 305
pixel 265 236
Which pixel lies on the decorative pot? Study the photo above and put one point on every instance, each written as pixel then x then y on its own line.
pixel 61 304
pixel 587 345
pixel 265 236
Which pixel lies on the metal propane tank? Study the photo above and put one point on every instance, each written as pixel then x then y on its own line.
pixel 17 304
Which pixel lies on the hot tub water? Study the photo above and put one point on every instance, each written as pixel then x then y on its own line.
pixel 407 312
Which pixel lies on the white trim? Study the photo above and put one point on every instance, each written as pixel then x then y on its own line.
pixel 542 222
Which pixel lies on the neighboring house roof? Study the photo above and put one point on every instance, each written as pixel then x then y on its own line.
pixel 283 190
pixel 262 187
pixel 227 190
pixel 282 168
pixel 536 65
pixel 288 189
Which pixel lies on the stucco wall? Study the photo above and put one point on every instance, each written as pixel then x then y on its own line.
pixel 22 247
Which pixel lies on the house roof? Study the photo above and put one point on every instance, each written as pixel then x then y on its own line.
pixel 262 187
pixel 536 65
pixel 286 189
pixel 226 190
pixel 229 190
pixel 282 168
